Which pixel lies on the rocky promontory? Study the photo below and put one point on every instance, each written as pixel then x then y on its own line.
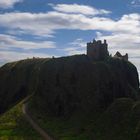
pixel 63 85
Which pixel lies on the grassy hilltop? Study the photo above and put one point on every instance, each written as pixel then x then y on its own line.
pixel 76 98
pixel 14 126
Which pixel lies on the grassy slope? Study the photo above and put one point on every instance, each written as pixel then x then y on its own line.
pixel 74 128
pixel 13 126
pixel 120 121
pixel 117 122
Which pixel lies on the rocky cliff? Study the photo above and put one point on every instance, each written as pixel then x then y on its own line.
pixel 63 85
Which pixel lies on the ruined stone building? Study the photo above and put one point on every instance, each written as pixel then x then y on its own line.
pixel 118 55
pixel 97 50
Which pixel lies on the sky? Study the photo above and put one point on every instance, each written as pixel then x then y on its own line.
pixel 46 28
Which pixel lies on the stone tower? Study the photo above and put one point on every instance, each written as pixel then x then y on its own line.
pixel 97 50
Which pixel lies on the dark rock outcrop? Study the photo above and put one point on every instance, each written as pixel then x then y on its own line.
pixel 63 85
pixel 17 81
pixel 76 83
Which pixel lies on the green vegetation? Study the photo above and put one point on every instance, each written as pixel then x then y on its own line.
pixel 76 127
pixel 72 97
pixel 116 123
pixel 13 126
pixel 120 121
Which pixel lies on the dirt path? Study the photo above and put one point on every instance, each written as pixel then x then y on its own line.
pixel 35 126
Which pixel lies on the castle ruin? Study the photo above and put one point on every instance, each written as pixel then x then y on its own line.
pixel 97 50
pixel 120 56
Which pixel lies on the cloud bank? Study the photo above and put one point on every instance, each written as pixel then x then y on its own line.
pixel 122 33
pixel 12 41
pixel 8 3
pixel 79 9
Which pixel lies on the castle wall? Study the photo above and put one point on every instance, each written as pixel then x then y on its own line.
pixel 93 52
pixel 97 50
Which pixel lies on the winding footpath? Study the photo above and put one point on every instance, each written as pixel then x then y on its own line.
pixel 35 126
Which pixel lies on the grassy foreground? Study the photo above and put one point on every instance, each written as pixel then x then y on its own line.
pixel 119 122
pixel 13 126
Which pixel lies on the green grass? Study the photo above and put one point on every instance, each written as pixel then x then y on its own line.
pixel 13 126
pixel 120 121
pixel 77 127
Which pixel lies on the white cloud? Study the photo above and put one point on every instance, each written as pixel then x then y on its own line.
pixel 46 23
pixel 128 24
pixel 6 56
pixel 79 9
pixel 77 46
pixel 79 42
pixel 7 41
pixel 8 3
pixel 120 40
pixel 125 30
pixel 125 34
pixel 74 51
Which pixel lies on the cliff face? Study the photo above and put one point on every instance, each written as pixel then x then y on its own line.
pixel 63 85
pixel 76 83
pixel 17 80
